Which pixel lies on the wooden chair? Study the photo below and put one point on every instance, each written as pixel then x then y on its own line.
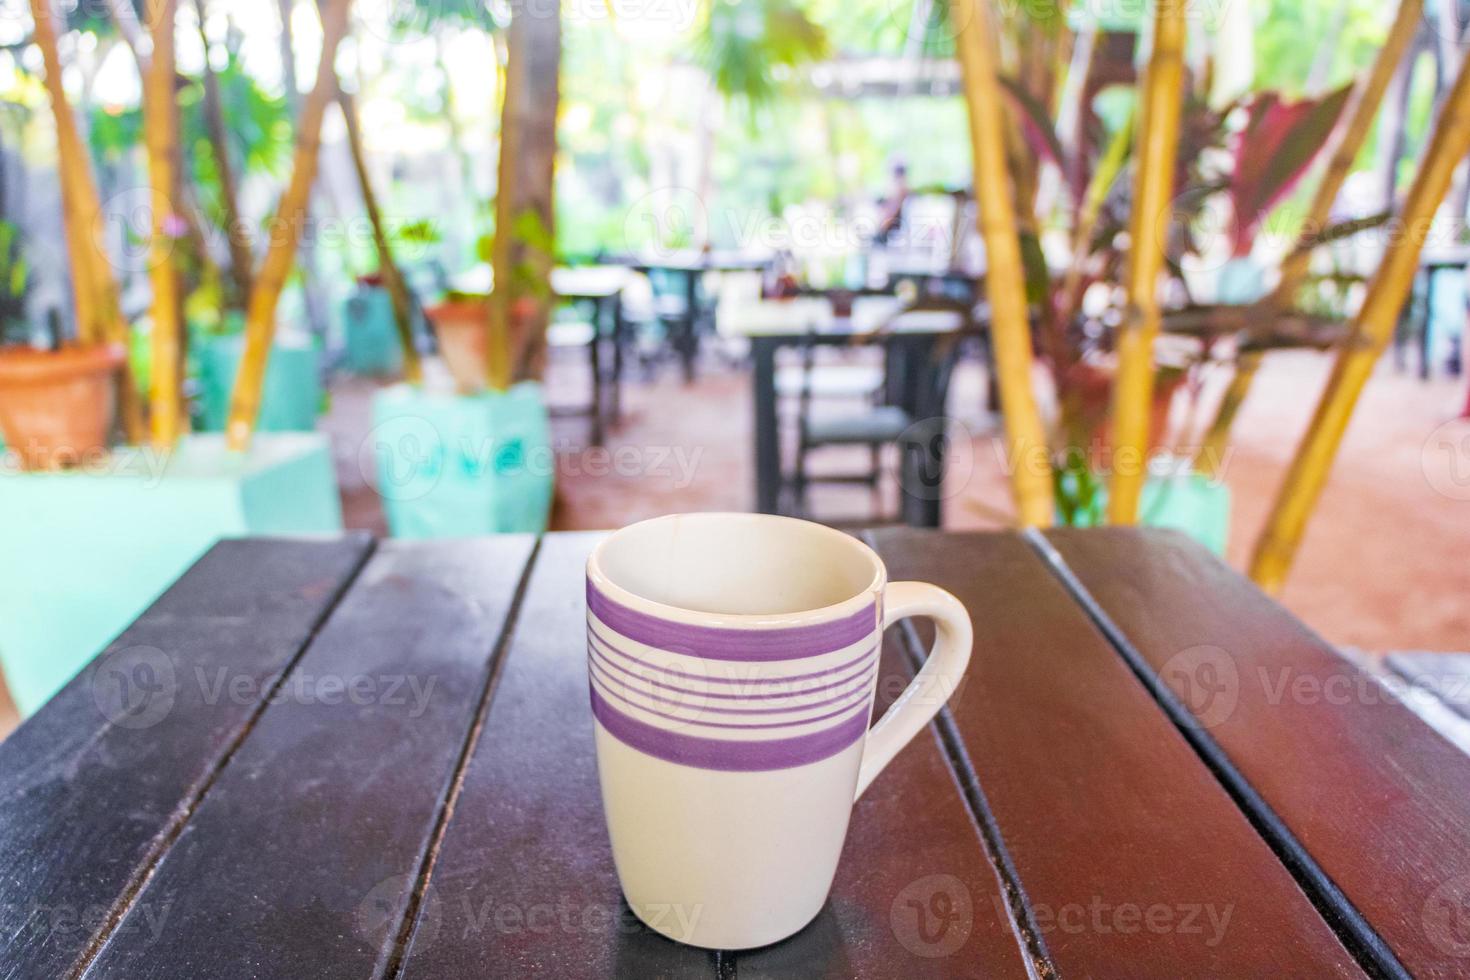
pixel 912 392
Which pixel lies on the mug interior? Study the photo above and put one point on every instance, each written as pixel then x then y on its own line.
pixel 737 564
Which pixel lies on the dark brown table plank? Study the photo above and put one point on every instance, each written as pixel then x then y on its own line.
pixel 1379 800
pixel 300 860
pixel 90 791
pixel 1130 854
pixel 523 885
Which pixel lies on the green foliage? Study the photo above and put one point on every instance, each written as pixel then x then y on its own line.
pixel 746 44
pixel 15 285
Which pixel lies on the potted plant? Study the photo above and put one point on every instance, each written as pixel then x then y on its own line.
pixel 477 458
pixel 1220 161
pixel 56 403
pixel 151 507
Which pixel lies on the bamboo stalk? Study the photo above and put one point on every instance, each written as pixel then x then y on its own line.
pixel 94 289
pixel 1373 329
pixel 1158 141
pixel 392 277
pixel 242 261
pixel 161 136
pixel 1031 476
pixel 260 316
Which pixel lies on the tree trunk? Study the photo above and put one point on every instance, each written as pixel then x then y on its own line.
pixel 94 288
pixel 393 282
pixel 242 259
pixel 1030 464
pixel 523 254
pixel 161 136
pixel 1153 186
pixel 291 213
pixel 1373 329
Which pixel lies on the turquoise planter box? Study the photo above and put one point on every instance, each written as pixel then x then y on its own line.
pixel 1185 502
pixel 371 333
pixel 290 400
pixel 87 551
pixel 458 465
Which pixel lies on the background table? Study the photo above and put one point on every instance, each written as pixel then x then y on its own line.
pixel 340 759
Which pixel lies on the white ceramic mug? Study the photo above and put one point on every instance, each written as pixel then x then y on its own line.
pixel 732 661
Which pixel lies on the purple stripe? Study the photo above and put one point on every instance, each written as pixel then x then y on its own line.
pixel 612 682
pixel 734 725
pixel 592 635
pixel 722 755
pixel 725 643
pixel 601 648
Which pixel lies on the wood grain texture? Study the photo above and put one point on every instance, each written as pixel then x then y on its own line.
pixel 301 859
pixel 90 790
pixel 524 885
pixel 1378 799
pixel 1133 860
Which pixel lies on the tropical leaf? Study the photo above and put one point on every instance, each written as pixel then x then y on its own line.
pixel 1036 123
pixel 1273 152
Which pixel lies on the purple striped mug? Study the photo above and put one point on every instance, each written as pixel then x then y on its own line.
pixel 732 661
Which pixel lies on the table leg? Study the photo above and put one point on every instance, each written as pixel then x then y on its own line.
pixel 689 341
pixel 617 364
pixel 595 355
pixel 767 437
pixel 1426 336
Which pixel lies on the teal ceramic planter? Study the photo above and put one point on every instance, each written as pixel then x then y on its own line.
pixel 290 400
pixel 371 333
pixel 1186 502
pixel 452 465
pixel 87 551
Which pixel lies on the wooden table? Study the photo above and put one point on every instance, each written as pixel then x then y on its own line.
pixel 339 759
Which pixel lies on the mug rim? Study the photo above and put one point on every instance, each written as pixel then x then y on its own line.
pixel 869 594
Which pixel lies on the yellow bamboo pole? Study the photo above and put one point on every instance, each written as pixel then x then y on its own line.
pixel 280 256
pixel 1372 331
pixel 1153 186
pixel 1030 465
pixel 94 289
pixel 161 135
pixel 393 282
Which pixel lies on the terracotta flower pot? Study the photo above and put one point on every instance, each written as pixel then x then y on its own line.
pixel 462 326
pixel 56 407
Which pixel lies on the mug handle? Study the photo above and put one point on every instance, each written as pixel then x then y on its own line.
pixel 939 678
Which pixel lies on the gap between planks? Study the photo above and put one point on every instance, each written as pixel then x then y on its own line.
pixel 397 959
pixel 1354 931
pixel 1035 956
pixel 191 803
